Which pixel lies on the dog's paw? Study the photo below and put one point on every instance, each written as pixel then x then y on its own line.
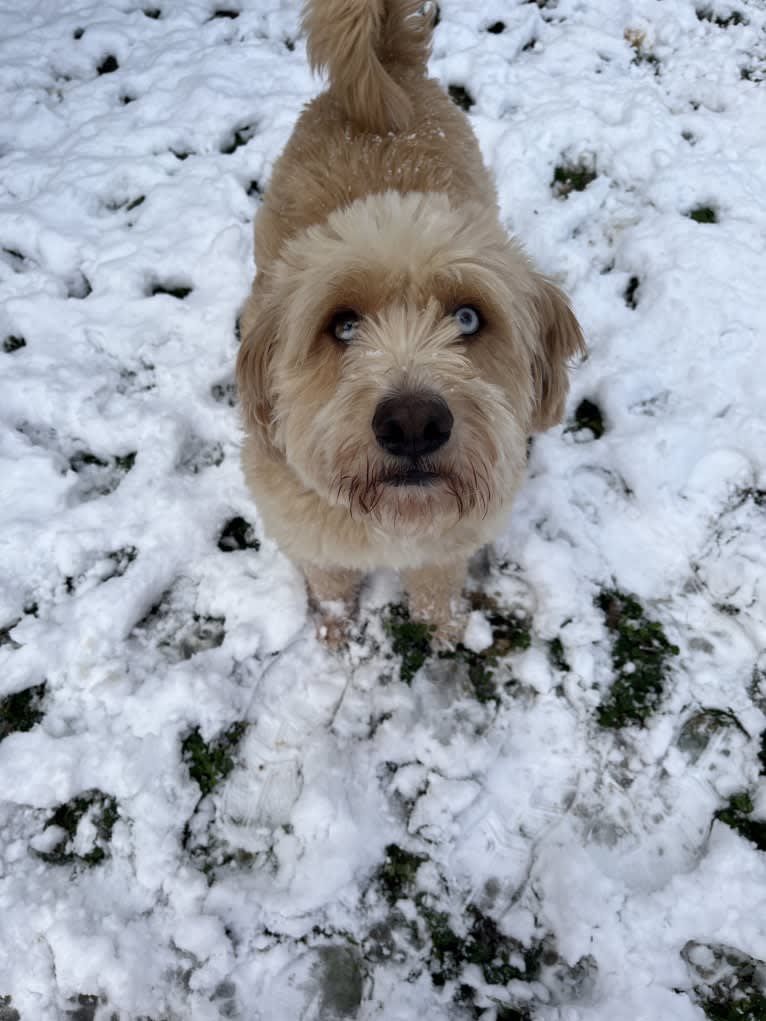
pixel 332 625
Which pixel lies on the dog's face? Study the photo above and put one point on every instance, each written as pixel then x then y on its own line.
pixel 401 354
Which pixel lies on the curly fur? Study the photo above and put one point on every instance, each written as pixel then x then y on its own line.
pixel 381 203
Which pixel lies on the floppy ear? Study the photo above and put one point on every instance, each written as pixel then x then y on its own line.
pixel 260 332
pixel 560 339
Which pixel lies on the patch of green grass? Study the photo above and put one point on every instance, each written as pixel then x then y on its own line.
pixel 11 344
pixel 103 812
pixel 569 177
pixel 22 710
pixel 396 876
pixel 461 97
pixel 212 761
pixel 510 633
pixel 737 815
pixel 410 639
pixel 483 945
pixel 639 658
pixel 703 214
pixel 237 534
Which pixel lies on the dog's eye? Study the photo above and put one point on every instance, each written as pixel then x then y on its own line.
pixel 468 320
pixel 343 326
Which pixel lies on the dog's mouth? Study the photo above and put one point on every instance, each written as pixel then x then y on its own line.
pixel 412 477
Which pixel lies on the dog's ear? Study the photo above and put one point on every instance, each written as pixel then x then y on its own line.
pixel 260 334
pixel 559 340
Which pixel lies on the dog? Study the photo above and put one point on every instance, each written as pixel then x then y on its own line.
pixel 398 347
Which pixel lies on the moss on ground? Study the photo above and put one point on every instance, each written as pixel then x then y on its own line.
pixel 738 815
pixel 396 876
pixel 500 958
pixel 103 813
pixel 209 762
pixel 20 711
pixel 569 177
pixel 640 654
pixel 703 214
pixel 410 639
pixel 728 983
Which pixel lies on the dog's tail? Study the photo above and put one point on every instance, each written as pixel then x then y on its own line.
pixel 358 41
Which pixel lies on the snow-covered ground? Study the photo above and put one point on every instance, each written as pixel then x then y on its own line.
pixel 207 815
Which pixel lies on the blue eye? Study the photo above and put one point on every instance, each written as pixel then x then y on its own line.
pixel 343 326
pixel 468 320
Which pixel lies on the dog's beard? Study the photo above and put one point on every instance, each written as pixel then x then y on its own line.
pixel 417 496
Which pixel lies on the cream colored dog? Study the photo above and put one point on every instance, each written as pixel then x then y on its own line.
pixel 397 347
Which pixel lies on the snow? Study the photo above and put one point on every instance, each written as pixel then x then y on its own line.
pixel 119 436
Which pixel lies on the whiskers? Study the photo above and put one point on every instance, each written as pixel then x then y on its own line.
pixel 378 489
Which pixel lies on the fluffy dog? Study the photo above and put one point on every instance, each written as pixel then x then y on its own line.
pixel 398 347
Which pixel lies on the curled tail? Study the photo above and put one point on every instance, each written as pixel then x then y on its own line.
pixel 357 41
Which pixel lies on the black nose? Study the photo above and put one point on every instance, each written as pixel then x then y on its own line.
pixel 412 425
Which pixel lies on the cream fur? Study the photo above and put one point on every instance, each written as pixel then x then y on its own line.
pixel 401 227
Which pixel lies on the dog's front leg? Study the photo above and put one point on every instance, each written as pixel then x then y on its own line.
pixel 434 594
pixel 333 593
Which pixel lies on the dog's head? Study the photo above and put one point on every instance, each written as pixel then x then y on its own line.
pixel 401 353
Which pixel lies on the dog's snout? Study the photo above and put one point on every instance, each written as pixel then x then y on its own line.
pixel 412 425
